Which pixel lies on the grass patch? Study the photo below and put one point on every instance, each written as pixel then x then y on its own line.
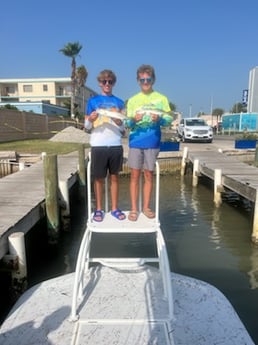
pixel 37 146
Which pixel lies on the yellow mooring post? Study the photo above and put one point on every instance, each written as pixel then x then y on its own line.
pixel 51 196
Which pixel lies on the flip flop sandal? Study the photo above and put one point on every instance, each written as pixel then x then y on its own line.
pixel 98 216
pixel 149 213
pixel 118 214
pixel 133 216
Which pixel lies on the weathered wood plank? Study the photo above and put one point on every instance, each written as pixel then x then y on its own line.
pixel 22 195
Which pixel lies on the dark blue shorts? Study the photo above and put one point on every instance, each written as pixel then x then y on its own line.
pixel 106 159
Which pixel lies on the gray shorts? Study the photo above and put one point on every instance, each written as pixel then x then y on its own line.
pixel 142 158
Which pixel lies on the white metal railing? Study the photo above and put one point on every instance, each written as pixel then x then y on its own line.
pixel 84 259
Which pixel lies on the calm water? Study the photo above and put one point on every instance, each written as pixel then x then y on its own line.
pixel 208 243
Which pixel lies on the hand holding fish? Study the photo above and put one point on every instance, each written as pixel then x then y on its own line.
pixel 154 117
pixel 93 116
pixel 138 116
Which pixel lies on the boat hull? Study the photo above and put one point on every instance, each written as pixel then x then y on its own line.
pixel 117 312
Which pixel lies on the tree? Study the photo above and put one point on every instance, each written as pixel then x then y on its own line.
pixel 239 108
pixel 81 74
pixel 172 106
pixel 72 50
pixel 9 106
pixel 218 113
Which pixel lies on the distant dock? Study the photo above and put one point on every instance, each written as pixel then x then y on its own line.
pixel 227 172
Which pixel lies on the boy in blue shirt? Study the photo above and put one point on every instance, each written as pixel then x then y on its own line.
pixel 106 144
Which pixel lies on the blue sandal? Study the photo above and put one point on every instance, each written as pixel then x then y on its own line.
pixel 98 216
pixel 118 214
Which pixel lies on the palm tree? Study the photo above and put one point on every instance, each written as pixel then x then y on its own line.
pixel 81 77
pixel 81 74
pixel 72 50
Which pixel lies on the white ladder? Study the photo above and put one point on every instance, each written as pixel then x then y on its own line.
pixel 112 225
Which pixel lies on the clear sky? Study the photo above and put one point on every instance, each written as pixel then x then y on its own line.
pixel 202 50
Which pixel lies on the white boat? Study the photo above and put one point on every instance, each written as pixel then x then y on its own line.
pixel 123 300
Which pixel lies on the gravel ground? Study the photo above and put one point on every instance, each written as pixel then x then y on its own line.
pixel 71 135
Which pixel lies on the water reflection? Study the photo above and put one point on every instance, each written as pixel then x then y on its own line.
pixel 214 236
pixel 212 244
pixel 253 272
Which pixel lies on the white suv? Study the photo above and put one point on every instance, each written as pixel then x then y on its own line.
pixel 194 129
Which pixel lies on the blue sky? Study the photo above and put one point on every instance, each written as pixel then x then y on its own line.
pixel 202 50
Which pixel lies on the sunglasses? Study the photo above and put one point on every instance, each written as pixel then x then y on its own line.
pixel 145 80
pixel 105 82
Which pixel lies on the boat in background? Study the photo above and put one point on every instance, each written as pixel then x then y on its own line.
pixel 123 300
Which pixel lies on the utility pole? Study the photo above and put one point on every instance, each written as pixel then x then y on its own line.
pixel 211 111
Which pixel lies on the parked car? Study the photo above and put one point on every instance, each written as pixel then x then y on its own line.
pixel 194 129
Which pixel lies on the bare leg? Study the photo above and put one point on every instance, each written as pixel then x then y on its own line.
pixel 114 189
pixel 134 188
pixel 98 187
pixel 147 191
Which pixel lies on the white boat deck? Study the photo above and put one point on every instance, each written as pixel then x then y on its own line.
pixel 203 316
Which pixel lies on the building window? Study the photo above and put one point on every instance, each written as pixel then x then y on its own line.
pixel 61 91
pixel 27 88
pixel 10 89
pixel 45 87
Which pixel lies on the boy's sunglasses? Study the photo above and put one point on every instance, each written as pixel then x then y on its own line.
pixel 145 80
pixel 104 82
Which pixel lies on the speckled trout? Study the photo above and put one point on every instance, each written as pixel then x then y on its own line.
pixel 110 113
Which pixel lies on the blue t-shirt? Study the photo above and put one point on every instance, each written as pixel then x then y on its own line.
pixel 104 102
pixel 104 132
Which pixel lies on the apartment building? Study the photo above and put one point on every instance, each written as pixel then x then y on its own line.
pixel 252 104
pixel 53 91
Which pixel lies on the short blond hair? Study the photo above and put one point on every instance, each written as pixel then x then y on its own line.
pixel 146 69
pixel 106 73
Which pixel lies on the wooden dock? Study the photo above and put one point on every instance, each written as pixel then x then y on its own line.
pixel 22 195
pixel 227 172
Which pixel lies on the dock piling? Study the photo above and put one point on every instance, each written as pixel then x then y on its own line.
pixel 17 248
pixel 217 187
pixel 82 173
pixel 65 204
pixel 183 163
pixel 195 172
pixel 51 197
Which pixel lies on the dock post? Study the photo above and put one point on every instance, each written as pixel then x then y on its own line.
pixel 256 156
pixel 255 220
pixel 82 172
pixel 19 277
pixel 65 204
pixel 21 166
pixel 195 172
pixel 217 186
pixel 51 195
pixel 183 162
